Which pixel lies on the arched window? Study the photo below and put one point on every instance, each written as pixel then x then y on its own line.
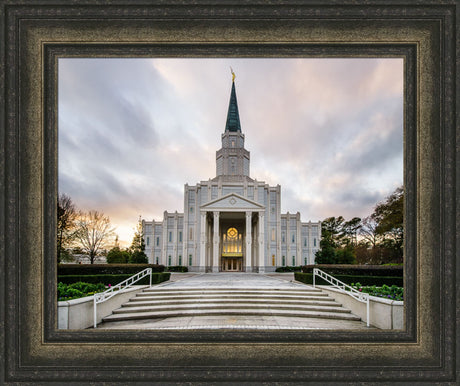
pixel 232 242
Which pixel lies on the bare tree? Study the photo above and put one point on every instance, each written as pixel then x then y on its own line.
pixel 66 215
pixel 93 232
pixel 368 231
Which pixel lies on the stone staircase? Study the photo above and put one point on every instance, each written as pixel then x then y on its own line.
pixel 163 302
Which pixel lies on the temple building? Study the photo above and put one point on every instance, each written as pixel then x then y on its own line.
pixel 232 222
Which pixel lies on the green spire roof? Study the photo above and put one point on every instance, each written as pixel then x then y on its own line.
pixel 233 118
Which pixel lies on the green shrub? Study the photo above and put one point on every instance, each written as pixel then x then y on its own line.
pixel 117 256
pixel 358 270
pixel 177 268
pixel 157 277
pixel 106 269
pixel 307 278
pixel 288 269
pixel 345 256
pixel 138 257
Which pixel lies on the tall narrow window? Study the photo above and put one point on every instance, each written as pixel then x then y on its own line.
pixel 157 259
pixel 314 242
pixel 284 261
pixel 158 241
pixel 190 260
pixel 148 241
pixel 305 242
pixel 180 237
pixel 293 261
pixel 273 234
pixel 180 260
pixel 293 238
pixel 190 234
pixel 169 260
pixel 170 236
pixel 273 260
pixel 305 261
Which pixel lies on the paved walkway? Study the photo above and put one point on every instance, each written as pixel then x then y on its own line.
pixel 231 280
pixel 234 280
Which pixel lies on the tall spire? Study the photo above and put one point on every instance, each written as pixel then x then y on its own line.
pixel 233 117
pixel 232 159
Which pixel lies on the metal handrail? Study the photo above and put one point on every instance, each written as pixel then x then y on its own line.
pixel 118 289
pixel 344 288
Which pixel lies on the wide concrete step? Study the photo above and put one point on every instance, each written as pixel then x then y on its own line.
pixel 268 297
pixel 230 312
pixel 162 302
pixel 235 291
pixel 139 302
pixel 198 307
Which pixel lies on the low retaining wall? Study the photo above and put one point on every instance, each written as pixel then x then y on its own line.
pixel 383 313
pixel 78 314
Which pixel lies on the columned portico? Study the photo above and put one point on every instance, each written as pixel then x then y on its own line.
pixel 230 229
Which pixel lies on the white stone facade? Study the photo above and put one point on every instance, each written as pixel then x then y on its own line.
pixel 232 222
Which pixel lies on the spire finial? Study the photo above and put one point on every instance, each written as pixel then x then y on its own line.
pixel 233 74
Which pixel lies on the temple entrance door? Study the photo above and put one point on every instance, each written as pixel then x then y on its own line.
pixel 232 250
pixel 234 264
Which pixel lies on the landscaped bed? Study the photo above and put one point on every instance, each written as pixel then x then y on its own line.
pixel 78 290
pixel 393 293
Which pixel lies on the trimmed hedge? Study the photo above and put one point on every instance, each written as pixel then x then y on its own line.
pixel 157 277
pixel 288 269
pixel 307 278
pixel 356 270
pixel 177 268
pixel 106 269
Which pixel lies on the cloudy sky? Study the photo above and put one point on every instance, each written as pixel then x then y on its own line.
pixel 132 132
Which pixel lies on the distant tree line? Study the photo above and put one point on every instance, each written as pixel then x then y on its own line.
pixel 90 233
pixel 376 239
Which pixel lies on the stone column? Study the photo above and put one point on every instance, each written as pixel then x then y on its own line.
pixel 299 240
pixel 175 240
pixel 261 238
pixel 278 226
pixel 202 267
pixel 185 229
pixel 216 239
pixel 249 242
pixel 164 241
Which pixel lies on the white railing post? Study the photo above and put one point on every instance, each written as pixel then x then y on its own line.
pixel 367 310
pixel 95 314
pixel 314 275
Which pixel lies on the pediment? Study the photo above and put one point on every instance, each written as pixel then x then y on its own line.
pixel 232 203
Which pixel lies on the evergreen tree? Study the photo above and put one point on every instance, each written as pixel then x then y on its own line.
pixel 137 248
pixel 389 217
